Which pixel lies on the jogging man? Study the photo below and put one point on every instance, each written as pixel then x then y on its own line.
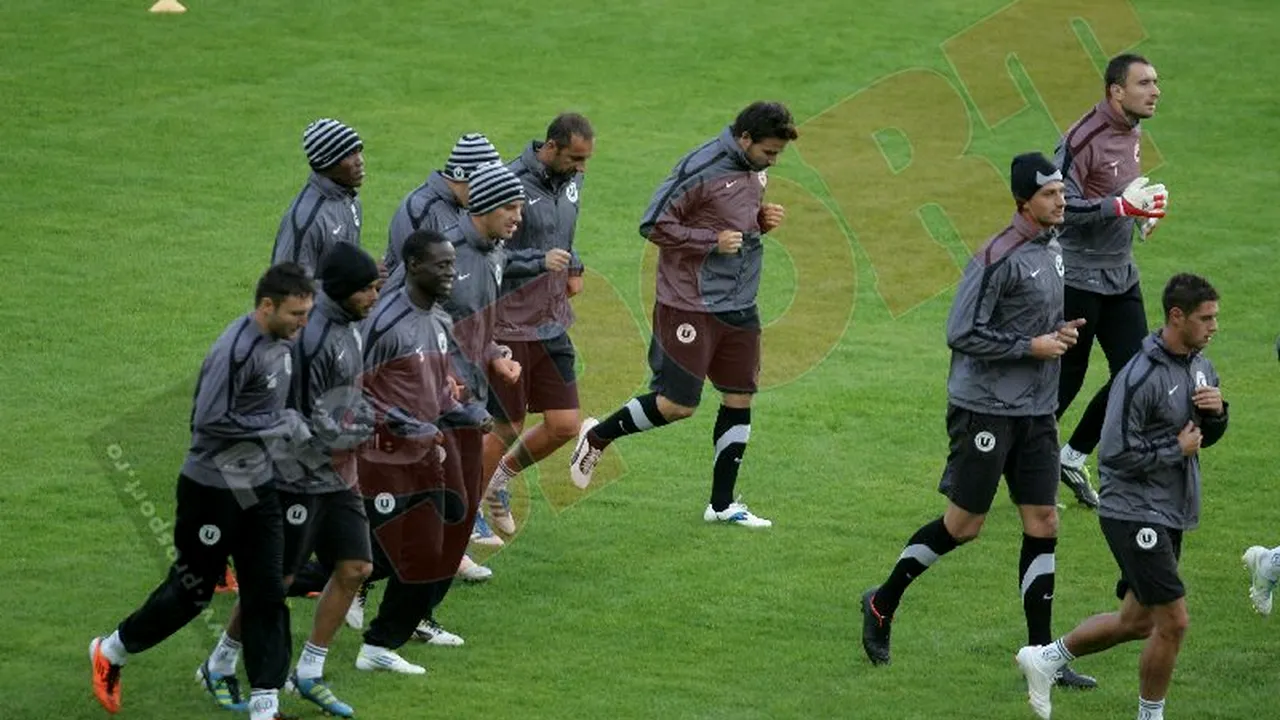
pixel 707 219
pixel 327 210
pixel 1165 406
pixel 1106 201
pixel 1006 333
pixel 227 503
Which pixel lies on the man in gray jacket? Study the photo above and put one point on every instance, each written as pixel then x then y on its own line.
pixel 328 209
pixel 707 219
pixel 1006 333
pixel 1165 406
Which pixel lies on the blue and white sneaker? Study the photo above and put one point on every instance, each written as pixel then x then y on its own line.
pixel 224 689
pixel 736 514
pixel 482 534
pixel 500 510
pixel 317 691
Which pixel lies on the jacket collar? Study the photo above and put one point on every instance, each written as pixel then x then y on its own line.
pixel 729 144
pixel 329 188
pixel 1155 348
pixel 1031 230
pixel 438 184
pixel 473 237
pixel 1119 121
pixel 331 309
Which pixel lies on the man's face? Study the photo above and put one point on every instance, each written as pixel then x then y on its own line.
pixel 1197 328
pixel 350 171
pixel 1048 206
pixel 1140 91
pixel 362 300
pixel 572 158
pixel 433 275
pixel 286 318
pixel 763 154
pixel 502 223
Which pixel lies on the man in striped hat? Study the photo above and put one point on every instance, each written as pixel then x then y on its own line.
pixel 437 203
pixel 327 211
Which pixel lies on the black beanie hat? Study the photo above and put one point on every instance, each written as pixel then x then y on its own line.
pixel 1029 172
pixel 346 270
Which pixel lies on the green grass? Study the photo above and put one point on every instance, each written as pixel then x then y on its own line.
pixel 148 160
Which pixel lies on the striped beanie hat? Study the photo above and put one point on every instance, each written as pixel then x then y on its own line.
pixel 326 142
pixel 491 187
pixel 470 152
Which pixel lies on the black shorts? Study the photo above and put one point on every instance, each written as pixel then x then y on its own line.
pixel 333 525
pixel 688 347
pixel 548 380
pixel 1024 449
pixel 1148 558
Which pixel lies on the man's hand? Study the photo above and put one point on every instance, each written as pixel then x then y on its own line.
pixel 728 242
pixel 456 388
pixel 1138 199
pixel 1208 399
pixel 1146 228
pixel 1048 346
pixel 506 368
pixel 574 284
pixel 771 216
pixel 1069 332
pixel 1189 439
pixel 382 272
pixel 556 260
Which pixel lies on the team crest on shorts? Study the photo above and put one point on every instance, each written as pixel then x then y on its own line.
pixel 686 333
pixel 296 514
pixel 984 441
pixel 210 534
pixel 384 503
pixel 1146 538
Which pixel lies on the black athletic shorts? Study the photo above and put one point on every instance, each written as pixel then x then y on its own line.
pixel 1148 558
pixel 1024 449
pixel 333 525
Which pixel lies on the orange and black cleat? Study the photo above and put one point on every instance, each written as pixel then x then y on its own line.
pixel 228 584
pixel 106 678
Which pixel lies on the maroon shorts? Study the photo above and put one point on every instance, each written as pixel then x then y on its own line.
pixel 547 381
pixel 689 347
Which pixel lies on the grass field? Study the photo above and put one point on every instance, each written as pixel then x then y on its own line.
pixel 148 160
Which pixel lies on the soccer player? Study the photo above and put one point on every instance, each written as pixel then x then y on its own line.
pixel 410 479
pixel 1006 333
pixel 438 203
pixel 327 210
pixel 1165 407
pixel 534 316
pixel 1106 199
pixel 707 219
pixel 322 510
pixel 482 264
pixel 227 504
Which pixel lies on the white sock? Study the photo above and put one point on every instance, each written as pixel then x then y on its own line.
pixel 1072 457
pixel 311 662
pixel 1150 709
pixel 1055 654
pixel 501 477
pixel 223 659
pixel 114 649
pixel 263 704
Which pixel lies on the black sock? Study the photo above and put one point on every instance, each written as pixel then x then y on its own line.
pixel 923 549
pixel 639 414
pixel 1036 576
pixel 1089 429
pixel 733 429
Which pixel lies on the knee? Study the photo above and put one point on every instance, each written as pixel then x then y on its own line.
pixel 1138 628
pixel 351 574
pixel 1173 626
pixel 1042 521
pixel 671 412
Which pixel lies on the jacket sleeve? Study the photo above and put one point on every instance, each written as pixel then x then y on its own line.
pixel 969 328
pixel 1213 427
pixel 1124 444
pixel 665 223
pixel 576 268
pixel 1075 173
pixel 524 262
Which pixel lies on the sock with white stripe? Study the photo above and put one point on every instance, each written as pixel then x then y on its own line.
pixel 263 704
pixel 639 414
pixel 311 662
pixel 923 549
pixel 1150 709
pixel 733 429
pixel 503 475
pixel 225 657
pixel 1036 576
pixel 1056 654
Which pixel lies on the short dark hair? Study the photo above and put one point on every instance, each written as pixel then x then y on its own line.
pixel 418 243
pixel 566 125
pixel 764 120
pixel 1187 292
pixel 1118 70
pixel 284 280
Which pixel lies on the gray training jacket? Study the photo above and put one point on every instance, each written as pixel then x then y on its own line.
pixel 1099 156
pixel 431 206
pixel 1011 292
pixel 238 419
pixel 711 189
pixel 324 213
pixel 1144 477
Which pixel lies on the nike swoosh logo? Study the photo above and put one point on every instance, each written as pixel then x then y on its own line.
pixel 1174 390
pixel 1049 596
pixel 730 184
pixel 1037 272
pixel 338 229
pixel 464 277
pixel 342 354
pixel 534 201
